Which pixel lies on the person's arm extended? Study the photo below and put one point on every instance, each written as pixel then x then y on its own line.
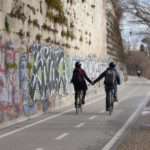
pixel 87 78
pixel 100 77
pixel 72 79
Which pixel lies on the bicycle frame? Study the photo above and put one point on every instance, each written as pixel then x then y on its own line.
pixel 110 100
pixel 79 101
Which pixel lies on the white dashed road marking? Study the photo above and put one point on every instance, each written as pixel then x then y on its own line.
pixel 47 119
pixel 92 117
pixel 62 136
pixel 145 113
pixel 103 111
pixel 44 120
pixel 80 125
pixel 39 149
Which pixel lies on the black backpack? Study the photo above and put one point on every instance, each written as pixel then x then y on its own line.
pixel 77 77
pixel 110 77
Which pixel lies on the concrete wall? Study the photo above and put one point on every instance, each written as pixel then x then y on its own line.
pixel 35 72
pixel 115 48
pixel 86 20
pixel 37 79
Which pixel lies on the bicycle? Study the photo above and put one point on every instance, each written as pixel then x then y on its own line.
pixel 110 101
pixel 78 105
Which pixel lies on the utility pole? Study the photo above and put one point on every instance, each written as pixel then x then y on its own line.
pixel 129 41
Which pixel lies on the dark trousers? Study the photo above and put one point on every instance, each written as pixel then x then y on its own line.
pixel 108 90
pixel 115 91
pixel 83 95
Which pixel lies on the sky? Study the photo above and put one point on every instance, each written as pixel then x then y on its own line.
pixel 145 1
pixel 130 30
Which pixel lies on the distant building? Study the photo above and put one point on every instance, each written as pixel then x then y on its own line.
pixel 115 48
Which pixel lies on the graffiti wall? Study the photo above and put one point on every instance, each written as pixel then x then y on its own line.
pixel 31 80
pixel 48 73
pixel 10 104
pixel 92 66
pixel 48 77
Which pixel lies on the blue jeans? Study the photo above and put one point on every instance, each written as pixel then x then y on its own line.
pixel 115 91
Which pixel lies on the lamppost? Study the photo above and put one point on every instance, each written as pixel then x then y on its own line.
pixel 129 40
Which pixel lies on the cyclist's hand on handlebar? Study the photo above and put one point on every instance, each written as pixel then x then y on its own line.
pixel 92 83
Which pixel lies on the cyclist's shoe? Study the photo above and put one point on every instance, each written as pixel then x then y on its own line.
pixel 79 105
pixel 83 102
pixel 107 109
pixel 115 99
pixel 75 105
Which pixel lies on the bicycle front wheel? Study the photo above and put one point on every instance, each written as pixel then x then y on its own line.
pixel 110 102
pixel 79 101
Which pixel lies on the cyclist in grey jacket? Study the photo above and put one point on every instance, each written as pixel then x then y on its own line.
pixel 109 86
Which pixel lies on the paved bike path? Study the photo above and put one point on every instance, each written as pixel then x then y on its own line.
pixel 91 130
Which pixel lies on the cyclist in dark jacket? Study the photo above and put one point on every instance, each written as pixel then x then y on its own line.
pixel 108 87
pixel 138 73
pixel 78 72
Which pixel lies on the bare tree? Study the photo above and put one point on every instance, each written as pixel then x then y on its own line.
pixel 139 9
pixel 118 9
pixel 135 62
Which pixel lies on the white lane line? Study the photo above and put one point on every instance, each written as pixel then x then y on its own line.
pixel 80 125
pixel 145 113
pixel 92 117
pixel 39 148
pixel 146 125
pixel 117 136
pixel 60 137
pixel 103 111
pixel 147 109
pixel 47 119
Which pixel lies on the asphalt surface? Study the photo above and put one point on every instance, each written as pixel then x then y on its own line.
pixel 137 135
pixel 93 129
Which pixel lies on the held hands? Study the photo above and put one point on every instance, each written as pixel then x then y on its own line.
pixel 92 83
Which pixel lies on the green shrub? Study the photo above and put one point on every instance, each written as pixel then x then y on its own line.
pixel 68 34
pixel 29 66
pixel 48 39
pixel 21 33
pixel 59 18
pixel 38 37
pixel 81 39
pixel 56 4
pixel 7 28
pixel 11 66
pixel 35 23
pixel 17 13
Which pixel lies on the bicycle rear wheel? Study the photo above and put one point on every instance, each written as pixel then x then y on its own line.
pixel 79 102
pixel 77 109
pixel 110 100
